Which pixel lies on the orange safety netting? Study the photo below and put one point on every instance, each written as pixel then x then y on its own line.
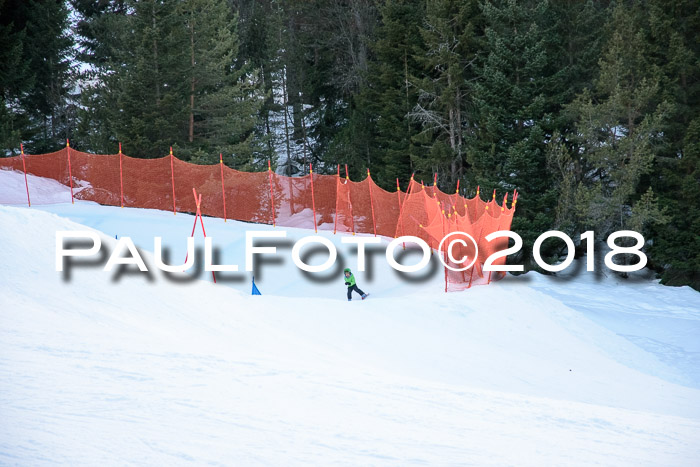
pixel 334 203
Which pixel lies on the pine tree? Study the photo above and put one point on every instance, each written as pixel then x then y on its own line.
pixel 172 77
pixel 452 36
pixel 224 96
pixel 35 77
pixel 507 150
pixel 574 37
pixel 674 48
pixel 100 36
pixel 49 99
pixel 379 131
pixel 260 27
pixel 15 76
pixel 99 27
pixel 147 79
pixel 618 129
pixel 324 59
pixel 574 43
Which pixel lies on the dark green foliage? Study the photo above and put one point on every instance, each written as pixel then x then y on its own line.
pixel 379 133
pixel 507 149
pixel 616 130
pixel 260 28
pixel 35 75
pixel 172 77
pixel 452 37
pixel 15 79
pixel 674 50
pixel 590 109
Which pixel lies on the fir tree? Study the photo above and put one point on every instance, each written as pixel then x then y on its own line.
pixel 100 29
pixel 35 77
pixel 507 149
pixel 147 78
pixel 260 26
pixel 452 35
pixel 675 50
pixel 15 76
pixel 224 95
pixel 172 77
pixel 379 131
pixel 618 127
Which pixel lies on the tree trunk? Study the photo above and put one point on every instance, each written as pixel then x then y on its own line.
pixel 284 109
pixel 155 55
pixel 268 133
pixel 191 134
pixel 303 129
pixel 408 107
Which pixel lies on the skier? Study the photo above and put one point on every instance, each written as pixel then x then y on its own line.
pixel 350 282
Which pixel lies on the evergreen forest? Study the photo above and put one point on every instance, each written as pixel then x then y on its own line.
pixel 590 109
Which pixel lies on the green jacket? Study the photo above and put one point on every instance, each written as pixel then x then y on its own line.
pixel 349 281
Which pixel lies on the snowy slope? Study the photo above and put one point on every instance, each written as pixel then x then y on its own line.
pixel 13 189
pixel 109 368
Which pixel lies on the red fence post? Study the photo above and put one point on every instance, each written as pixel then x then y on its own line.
pixel 272 196
pixel 70 172
pixel 503 207
pixel 478 242
pixel 401 206
pixel 121 176
pixel 337 188
pixel 24 167
pixel 352 217
pixel 223 190
pixel 457 190
pixel 194 226
pixel 371 202
pixel 398 194
pixel 172 178
pixel 313 199
pixel 444 252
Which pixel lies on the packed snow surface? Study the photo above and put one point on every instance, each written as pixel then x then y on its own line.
pixel 122 367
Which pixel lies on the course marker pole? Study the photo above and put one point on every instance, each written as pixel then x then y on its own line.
pixel 121 176
pixel 272 196
pixel 371 201
pixel 172 178
pixel 337 190
pixel 444 252
pixel 313 199
pixel 24 167
pixel 408 192
pixel 352 218
pixel 223 190
pixel 70 172
pixel 398 194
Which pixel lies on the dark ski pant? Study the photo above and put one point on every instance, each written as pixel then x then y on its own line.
pixel 356 289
